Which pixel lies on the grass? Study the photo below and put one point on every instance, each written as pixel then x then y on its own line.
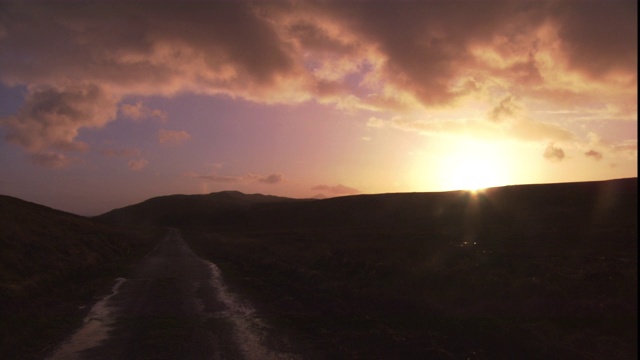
pixel 52 264
pixel 363 296
pixel 528 272
pixel 500 282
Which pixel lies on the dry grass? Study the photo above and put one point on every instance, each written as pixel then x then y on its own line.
pixel 51 264
pixel 511 275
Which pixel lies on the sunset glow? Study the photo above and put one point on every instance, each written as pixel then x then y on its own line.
pixel 476 166
pixel 108 103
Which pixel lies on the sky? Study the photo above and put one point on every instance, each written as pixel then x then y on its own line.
pixel 105 104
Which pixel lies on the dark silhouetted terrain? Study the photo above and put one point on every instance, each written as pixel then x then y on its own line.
pixel 52 262
pixel 528 272
pixel 535 271
pixel 223 208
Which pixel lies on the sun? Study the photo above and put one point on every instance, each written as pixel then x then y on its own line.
pixel 464 163
pixel 473 174
pixel 474 165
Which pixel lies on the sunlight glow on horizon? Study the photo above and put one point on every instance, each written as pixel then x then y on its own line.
pixel 476 165
pixel 119 102
pixel 465 164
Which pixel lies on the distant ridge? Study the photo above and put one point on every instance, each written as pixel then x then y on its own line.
pixel 232 208
pixel 188 210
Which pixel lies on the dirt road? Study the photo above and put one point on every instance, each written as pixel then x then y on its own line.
pixel 174 305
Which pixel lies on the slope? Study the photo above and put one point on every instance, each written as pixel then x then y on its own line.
pixel 51 262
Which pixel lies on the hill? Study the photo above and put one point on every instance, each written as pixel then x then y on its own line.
pixel 51 262
pixel 190 210
pixel 511 206
pixel 531 272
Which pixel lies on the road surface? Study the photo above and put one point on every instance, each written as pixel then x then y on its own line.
pixel 173 306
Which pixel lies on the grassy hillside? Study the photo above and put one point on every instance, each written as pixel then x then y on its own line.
pixel 52 262
pixel 537 271
pixel 224 208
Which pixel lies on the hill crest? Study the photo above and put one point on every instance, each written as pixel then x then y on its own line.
pixel 234 208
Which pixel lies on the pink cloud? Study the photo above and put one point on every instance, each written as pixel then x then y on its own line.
pixel 172 137
pixel 336 189
pixel 139 112
pixel 553 153
pixel 270 179
pixel 137 164
pixel 216 178
pixel 52 159
pixel 51 117
pixel 130 152
pixel 78 63
pixel 594 154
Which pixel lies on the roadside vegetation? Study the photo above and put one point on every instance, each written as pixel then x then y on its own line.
pixel 527 272
pixel 52 264
pixel 550 275
pixel 366 294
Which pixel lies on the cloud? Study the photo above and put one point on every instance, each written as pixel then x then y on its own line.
pixel 172 137
pixel 433 52
pixel 591 50
pixel 528 129
pixel 137 164
pixel 594 154
pixel 375 122
pixel 216 178
pixel 51 117
pixel 139 112
pixel 507 109
pixel 130 152
pixel 553 153
pixel 336 189
pixel 629 148
pixel 270 179
pixel 52 159
pixel 79 62
pixel 516 126
pixel 214 165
